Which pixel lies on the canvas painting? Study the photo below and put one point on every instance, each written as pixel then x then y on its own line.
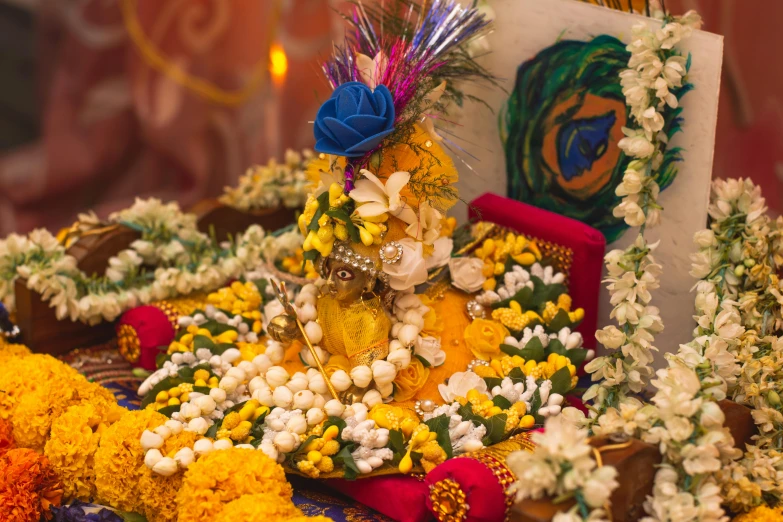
pixel 550 138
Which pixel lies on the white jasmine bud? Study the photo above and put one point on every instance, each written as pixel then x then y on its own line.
pixel 236 373
pixel 218 395
pixel 314 416
pixel 176 427
pixel 408 335
pixel 249 369
pixel 297 383
pixel 152 457
pixel 222 444
pixel 206 404
pixel 163 431
pixel 371 398
pixel 303 400
pixel 314 332
pixel 297 424
pixel 361 376
pixel 150 440
pixel 262 363
pixel 341 381
pixel 184 457
pixel 282 397
pixel 165 467
pixel 198 425
pixel 285 441
pixel 231 355
pixel 334 408
pixel 276 376
pixel 202 446
pixel 229 384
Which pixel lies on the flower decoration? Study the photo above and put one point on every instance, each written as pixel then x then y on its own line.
pixel 29 488
pixel 410 380
pixel 375 198
pixel 354 120
pixel 484 338
pixel 6 436
pixel 467 273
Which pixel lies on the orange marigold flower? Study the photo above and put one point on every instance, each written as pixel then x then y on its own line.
pixel 6 437
pixel 29 486
pixel 221 477
pixel 120 457
pixel 10 351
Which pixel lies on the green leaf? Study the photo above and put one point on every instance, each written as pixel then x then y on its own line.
pixel 561 381
pixel 202 341
pixel 345 458
pixel 424 361
pixel 323 201
pixel 543 292
pixel 131 517
pixel 560 321
pixel 577 356
pixel 533 350
pixel 397 444
pixel 523 297
pixel 439 423
pixel 221 347
pixel 162 357
pixel 353 232
pixel 492 382
pixel 168 410
pixel 535 404
pixel 300 449
pixel 216 328
pixel 501 402
pixel 555 346
pixel 496 429
pixel 516 375
pixel 212 431
pixel 509 349
pixel 444 441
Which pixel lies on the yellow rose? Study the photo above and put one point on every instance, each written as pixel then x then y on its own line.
pixel 484 338
pixel 410 380
pixel 337 362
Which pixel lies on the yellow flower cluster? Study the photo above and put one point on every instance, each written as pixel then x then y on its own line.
pixel 296 265
pixel 180 393
pixel 257 506
pixel 237 424
pixel 514 318
pixel 482 405
pixel 120 458
pixel 238 298
pixel 501 367
pixel 495 253
pixel 394 418
pixel 185 343
pixel 319 452
pixel 35 412
pixel 71 448
pixel 21 376
pixel 220 477
pixel 158 494
pixel 563 303
pixel 761 514
pixel 10 351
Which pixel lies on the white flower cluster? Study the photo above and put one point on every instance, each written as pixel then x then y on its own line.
pixel 570 340
pixel 633 273
pixel 272 185
pixel 562 463
pixel 465 436
pixel 41 260
pixel 518 278
pixel 654 69
pixel 371 451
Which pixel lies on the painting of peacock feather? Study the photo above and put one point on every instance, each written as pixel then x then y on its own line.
pixel 561 126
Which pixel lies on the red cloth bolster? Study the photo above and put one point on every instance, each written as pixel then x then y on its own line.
pixel 399 497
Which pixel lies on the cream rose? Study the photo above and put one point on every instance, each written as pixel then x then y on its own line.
pixel 466 273
pixel 441 254
pixel 411 269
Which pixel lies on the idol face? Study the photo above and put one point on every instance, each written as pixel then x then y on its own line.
pixel 346 283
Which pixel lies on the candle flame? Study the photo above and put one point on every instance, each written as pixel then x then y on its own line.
pixel 278 62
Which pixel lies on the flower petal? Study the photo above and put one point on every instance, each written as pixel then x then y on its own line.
pixel 371 209
pixel 344 135
pixel 347 103
pixel 366 105
pixel 366 67
pixel 396 182
pixel 360 149
pixel 366 124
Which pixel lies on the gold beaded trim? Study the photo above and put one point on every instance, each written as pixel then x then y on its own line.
pixel 128 343
pixel 449 502
pixel 503 475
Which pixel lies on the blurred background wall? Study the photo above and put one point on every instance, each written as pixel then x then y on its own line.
pixel 105 100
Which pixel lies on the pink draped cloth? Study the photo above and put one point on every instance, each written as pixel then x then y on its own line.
pixel 115 128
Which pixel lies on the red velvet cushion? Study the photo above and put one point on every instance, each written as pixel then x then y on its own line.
pixel 153 330
pixel 587 244
pixel 399 497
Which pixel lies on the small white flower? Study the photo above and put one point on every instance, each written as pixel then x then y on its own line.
pixel 467 273
pixel 459 384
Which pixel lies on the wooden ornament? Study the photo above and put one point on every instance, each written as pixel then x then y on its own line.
pixel 228 222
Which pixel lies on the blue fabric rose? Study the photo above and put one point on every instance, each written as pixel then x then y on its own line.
pixel 354 120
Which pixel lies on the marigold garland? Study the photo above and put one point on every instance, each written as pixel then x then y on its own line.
pixel 29 486
pixel 73 441
pixel 23 375
pixel 257 507
pixel 761 514
pixel 220 477
pixel 36 410
pixel 6 437
pixel 10 351
pixel 120 457
pixel 158 494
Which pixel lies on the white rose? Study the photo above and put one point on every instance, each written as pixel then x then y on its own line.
pixel 383 372
pixel 429 349
pixel 400 358
pixel 442 253
pixel 411 269
pixel 466 273
pixel 361 376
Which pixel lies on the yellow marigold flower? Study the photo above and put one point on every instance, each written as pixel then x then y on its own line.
pixel 220 477
pixel 10 351
pixel 158 494
pixel 120 457
pixel 255 507
pixel 761 514
pixel 71 448
pixel 35 412
pixel 21 376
